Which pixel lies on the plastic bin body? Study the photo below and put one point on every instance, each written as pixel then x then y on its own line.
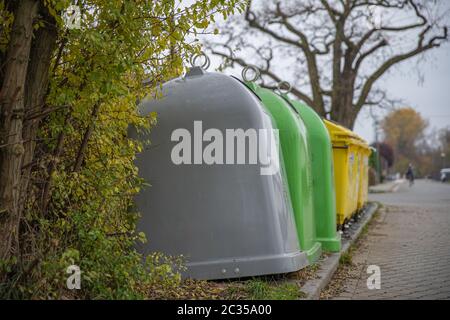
pixel 374 162
pixel 226 220
pixel 294 146
pixel 356 181
pixel 365 153
pixel 346 170
pixel 321 156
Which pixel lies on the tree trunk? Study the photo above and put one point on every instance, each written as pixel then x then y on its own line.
pixel 86 137
pixel 343 110
pixel 11 121
pixel 42 47
pixel 344 114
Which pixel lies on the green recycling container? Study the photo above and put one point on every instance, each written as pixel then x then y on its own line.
pixel 321 155
pixel 295 153
pixel 374 162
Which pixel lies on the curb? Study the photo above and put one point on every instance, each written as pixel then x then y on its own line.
pixel 397 185
pixel 394 188
pixel 330 263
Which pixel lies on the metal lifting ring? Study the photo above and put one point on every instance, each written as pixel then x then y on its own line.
pixel 254 69
pixel 287 84
pixel 205 64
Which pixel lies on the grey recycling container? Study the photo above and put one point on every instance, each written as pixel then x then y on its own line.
pixel 224 215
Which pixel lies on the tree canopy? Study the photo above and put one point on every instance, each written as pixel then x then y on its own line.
pixel 404 130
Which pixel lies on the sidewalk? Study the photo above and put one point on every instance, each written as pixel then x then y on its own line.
pixel 408 241
pixel 391 186
pixel 329 262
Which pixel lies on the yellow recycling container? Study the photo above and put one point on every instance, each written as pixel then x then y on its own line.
pixel 347 149
pixel 364 153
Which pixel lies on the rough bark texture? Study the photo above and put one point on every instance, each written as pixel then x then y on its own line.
pixel 43 45
pixel 11 124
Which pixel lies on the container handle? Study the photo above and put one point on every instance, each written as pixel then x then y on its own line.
pixel 247 69
pixel 280 87
pixel 194 59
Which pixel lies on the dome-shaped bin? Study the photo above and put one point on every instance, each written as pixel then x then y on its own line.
pixel 294 145
pixel 228 216
pixel 321 155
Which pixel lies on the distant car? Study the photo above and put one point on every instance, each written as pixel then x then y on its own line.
pixel 391 177
pixel 445 174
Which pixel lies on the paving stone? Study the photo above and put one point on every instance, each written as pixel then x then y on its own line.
pixel 409 244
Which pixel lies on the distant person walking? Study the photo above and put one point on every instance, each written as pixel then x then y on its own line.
pixel 410 174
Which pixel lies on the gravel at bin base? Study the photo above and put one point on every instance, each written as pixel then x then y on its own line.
pixel 329 263
pixel 310 280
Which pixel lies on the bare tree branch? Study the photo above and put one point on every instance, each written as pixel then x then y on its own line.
pixel 265 71
pixel 432 43
pixel 335 50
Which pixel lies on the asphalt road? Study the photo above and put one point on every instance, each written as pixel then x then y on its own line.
pixel 424 193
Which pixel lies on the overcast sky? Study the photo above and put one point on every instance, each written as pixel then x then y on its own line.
pixel 431 97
